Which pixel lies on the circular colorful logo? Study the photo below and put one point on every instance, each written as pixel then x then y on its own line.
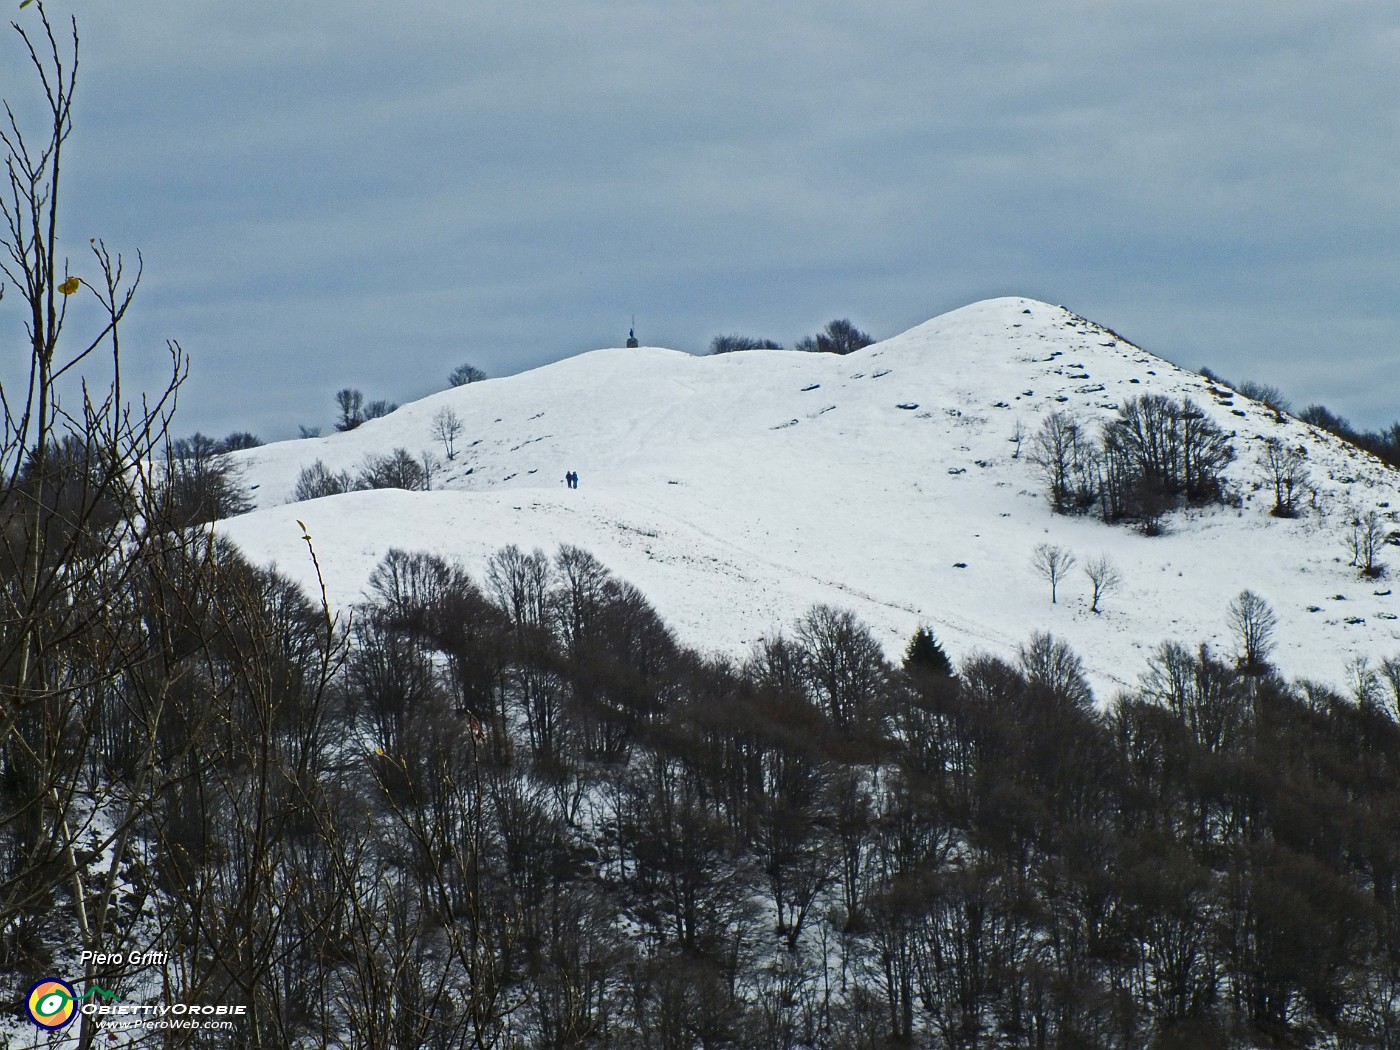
pixel 51 1003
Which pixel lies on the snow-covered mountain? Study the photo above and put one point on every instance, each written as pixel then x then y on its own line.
pixel 736 491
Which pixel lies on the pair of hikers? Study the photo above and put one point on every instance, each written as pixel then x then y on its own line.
pixel 571 479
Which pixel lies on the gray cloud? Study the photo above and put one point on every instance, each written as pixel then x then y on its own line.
pixel 370 195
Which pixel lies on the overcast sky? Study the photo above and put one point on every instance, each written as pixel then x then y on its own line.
pixel 367 195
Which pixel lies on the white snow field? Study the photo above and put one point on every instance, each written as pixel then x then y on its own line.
pixel 736 491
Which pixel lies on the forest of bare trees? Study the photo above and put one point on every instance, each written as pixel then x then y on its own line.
pixel 516 812
pixel 1155 454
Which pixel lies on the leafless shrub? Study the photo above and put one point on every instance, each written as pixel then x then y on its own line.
pixel 319 480
pixel 395 470
pixel 464 374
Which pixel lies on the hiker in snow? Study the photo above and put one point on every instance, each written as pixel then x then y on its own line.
pixel 574 483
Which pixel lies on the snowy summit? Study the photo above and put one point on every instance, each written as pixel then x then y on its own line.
pixel 738 490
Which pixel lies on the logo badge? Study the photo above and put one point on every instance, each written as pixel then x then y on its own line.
pixel 51 1003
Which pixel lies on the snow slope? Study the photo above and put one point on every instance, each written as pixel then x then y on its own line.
pixel 738 490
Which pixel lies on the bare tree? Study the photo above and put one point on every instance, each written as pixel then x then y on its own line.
pixel 728 344
pixel 1365 540
pixel 431 465
pixel 379 409
pixel 578 597
pixel 240 440
pixel 201 483
pixel 235 873
pixel 1172 450
pixel 521 585
pixel 1052 563
pixel 1207 696
pixel 1018 438
pixel 1052 667
pixel 1104 576
pixel 1253 623
pixel 96 588
pixel 152 649
pixel 447 427
pixel 464 374
pixel 1055 449
pixel 319 480
pixel 844 664
pixel 1390 672
pixel 1265 393
pixel 395 470
pixel 351 404
pixel 838 337
pixel 1365 682
pixel 1287 469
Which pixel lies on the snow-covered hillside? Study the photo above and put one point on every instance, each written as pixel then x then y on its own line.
pixel 738 490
